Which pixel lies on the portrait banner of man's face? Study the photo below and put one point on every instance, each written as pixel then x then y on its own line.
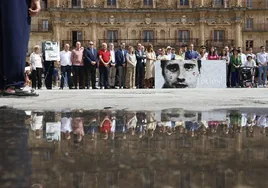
pixel 51 50
pixel 190 74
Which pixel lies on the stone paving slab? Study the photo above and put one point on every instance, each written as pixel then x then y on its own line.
pixel 145 99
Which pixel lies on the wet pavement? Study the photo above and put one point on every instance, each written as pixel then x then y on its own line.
pixel 145 149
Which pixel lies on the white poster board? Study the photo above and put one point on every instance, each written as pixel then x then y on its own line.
pixel 53 131
pixel 188 74
pixel 52 51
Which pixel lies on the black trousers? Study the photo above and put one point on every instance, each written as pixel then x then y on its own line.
pixel 37 77
pixel 49 70
pixel 139 75
pixel 121 76
pixel 66 73
pixel 78 76
pixel 104 75
pixel 14 36
pixel 90 75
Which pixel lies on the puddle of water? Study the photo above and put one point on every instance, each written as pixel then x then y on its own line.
pixel 106 148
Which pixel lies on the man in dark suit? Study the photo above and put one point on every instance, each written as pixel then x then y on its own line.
pixel 15 21
pixel 140 56
pixel 120 59
pixel 91 58
pixel 191 53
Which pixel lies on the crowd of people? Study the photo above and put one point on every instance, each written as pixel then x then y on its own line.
pixel 107 68
pixel 112 124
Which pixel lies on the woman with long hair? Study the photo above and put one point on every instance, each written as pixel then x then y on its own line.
pixel 235 68
pixel 150 67
pixel 213 55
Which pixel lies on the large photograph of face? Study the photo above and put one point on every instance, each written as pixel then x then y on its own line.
pixel 190 74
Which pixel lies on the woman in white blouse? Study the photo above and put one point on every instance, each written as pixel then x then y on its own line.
pixel 37 67
pixel 131 68
pixel 150 67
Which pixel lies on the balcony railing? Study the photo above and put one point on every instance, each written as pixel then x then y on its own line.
pixel 256 28
pixel 41 28
pixel 219 43
pixel 157 43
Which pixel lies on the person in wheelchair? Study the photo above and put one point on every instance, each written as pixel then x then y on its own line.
pixel 248 72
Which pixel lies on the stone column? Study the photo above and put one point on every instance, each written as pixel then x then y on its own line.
pixel 202 22
pixel 238 3
pixel 94 27
pixel 238 33
pixel 202 3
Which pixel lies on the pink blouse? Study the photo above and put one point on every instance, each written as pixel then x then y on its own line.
pixel 213 57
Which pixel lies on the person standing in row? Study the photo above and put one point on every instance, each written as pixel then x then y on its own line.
pixel 37 67
pixel 91 58
pixel 77 62
pixel 66 66
pixel 191 53
pixel 236 63
pixel 120 58
pixel 262 59
pixel 104 65
pixel 140 56
pixel 112 73
pixel 150 67
pixel 131 68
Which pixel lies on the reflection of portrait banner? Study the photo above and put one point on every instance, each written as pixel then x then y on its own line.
pixel 52 51
pixel 53 131
pixel 190 74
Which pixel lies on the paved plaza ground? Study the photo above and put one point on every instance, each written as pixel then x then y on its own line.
pixel 189 99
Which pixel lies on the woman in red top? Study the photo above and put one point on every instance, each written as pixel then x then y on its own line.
pixel 213 55
pixel 105 126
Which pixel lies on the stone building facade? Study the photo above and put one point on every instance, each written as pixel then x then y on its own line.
pixel 172 22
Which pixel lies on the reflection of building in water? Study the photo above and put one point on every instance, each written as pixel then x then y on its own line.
pixel 177 160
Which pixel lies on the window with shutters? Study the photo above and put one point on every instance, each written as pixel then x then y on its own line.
pixel 76 3
pixel 111 3
pixel 148 36
pixel 249 44
pixel 249 24
pixel 77 36
pixel 147 2
pixel 218 3
pixel 112 36
pixel 44 4
pixel 249 3
pixel 184 36
pixel 219 35
pixel 44 25
pixel 184 2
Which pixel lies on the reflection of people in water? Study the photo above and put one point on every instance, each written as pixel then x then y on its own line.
pixel 78 128
pixel 105 126
pixel 131 123
pixel 66 126
pixel 180 73
pixel 37 124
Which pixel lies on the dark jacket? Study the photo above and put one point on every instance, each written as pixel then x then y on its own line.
pixel 89 56
pixel 140 58
pixel 120 59
pixel 191 55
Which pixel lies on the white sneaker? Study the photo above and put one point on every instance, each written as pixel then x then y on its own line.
pixel 259 86
pixel 264 86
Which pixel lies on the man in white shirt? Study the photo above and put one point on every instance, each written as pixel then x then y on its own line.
pixel 262 59
pixel 169 54
pixel 66 66
pixel 242 55
pixel 112 73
